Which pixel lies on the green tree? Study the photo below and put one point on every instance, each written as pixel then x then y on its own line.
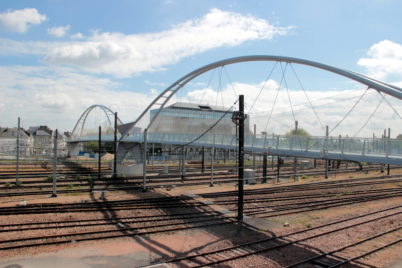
pixel 399 137
pixel 298 132
pixel 91 147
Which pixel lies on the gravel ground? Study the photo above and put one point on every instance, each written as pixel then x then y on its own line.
pixel 159 246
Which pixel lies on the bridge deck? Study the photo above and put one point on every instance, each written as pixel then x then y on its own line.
pixel 383 151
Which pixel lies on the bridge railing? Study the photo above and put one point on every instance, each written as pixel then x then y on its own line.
pixel 339 145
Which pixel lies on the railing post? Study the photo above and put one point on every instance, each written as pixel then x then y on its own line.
pixel 364 147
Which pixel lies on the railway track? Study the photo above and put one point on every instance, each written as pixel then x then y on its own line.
pixel 256 206
pixel 299 238
pixel 83 184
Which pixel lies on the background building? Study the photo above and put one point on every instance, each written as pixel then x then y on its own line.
pixel 190 118
pixel 8 142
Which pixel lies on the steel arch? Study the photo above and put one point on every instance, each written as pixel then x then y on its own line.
pixel 88 110
pixel 168 93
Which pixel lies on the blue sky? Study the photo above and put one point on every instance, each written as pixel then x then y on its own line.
pixel 59 57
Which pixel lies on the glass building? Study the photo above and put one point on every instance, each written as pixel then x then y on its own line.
pixel 190 118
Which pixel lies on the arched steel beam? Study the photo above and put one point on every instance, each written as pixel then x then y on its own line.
pixel 85 114
pixel 173 88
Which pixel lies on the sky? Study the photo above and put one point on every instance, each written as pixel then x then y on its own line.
pixel 58 57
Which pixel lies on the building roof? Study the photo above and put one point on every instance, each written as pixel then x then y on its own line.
pixel 42 133
pixel 195 106
pixel 12 132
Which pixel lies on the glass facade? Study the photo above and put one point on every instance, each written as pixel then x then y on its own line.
pixel 191 118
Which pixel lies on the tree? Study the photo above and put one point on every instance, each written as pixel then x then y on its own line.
pixel 399 137
pixel 299 132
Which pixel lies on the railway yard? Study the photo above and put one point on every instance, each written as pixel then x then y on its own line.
pixel 351 219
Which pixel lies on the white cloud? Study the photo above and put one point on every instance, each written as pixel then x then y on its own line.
pixel 330 105
pixel 59 31
pixel 20 20
pixel 77 36
pixel 57 96
pixel 123 55
pixel 384 59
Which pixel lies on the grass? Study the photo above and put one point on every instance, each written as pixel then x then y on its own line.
pixel 48 179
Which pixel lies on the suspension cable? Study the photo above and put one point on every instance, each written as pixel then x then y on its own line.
pixel 263 86
pixel 287 92
pixel 273 105
pixel 350 110
pixel 305 93
pixel 392 107
pixel 230 80
pixel 371 115
pixel 209 83
pixel 210 128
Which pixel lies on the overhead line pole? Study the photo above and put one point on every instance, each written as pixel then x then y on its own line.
pixel 54 187
pixel 115 147
pixel 18 153
pixel 241 118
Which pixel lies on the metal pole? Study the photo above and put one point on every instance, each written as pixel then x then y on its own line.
pixel 18 153
pixel 115 147
pixel 255 132
pixel 241 162
pixel 99 153
pixel 264 168
pixel 153 155
pixel 211 184
pixel 389 148
pixel 182 163
pixel 144 164
pixel 278 168
pixel 203 160
pixel 325 147
pixel 295 158
pixel 54 189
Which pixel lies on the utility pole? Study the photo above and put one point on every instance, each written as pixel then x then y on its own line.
pixel 238 118
pixel 254 137
pixel 115 147
pixel 99 154
pixel 264 167
pixel 144 164
pixel 389 149
pixel 18 152
pixel 325 148
pixel 202 160
pixel 54 189
pixel 295 158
